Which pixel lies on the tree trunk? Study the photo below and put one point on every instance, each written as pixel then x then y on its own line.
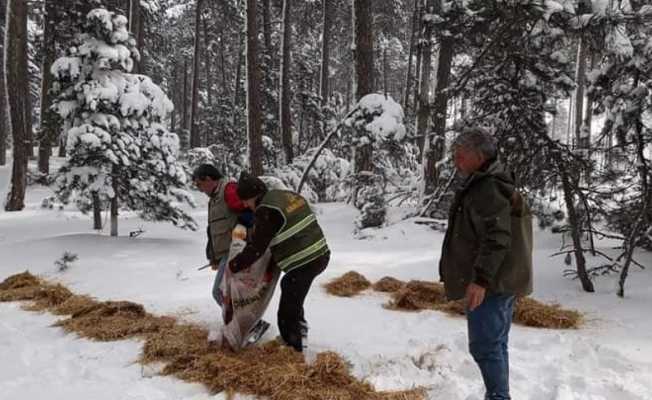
pixel 48 122
pixel 327 9
pixel 364 69
pixel 114 216
pixel 184 114
pixel 423 94
pixel 284 91
pixel 580 72
pixel 433 149
pixel 418 62
pixel 17 81
pixel 408 75
pixel 208 56
pixel 575 226
pixel 195 139
pixel 238 78
pixel 97 212
pixel 267 26
pixel 253 93
pixel 4 125
pixel 135 27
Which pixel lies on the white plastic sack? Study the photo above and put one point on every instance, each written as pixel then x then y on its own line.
pixel 246 294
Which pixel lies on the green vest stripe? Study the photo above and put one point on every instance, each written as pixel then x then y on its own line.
pixel 293 230
pixel 300 240
pixel 305 253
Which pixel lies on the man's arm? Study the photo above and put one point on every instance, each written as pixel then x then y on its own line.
pixel 491 215
pixel 267 223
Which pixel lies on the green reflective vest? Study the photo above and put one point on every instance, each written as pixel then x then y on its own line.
pixel 300 240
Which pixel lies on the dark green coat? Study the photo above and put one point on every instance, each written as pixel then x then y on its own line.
pixel 477 244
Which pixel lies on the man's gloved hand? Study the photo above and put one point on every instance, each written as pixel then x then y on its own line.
pixel 215 266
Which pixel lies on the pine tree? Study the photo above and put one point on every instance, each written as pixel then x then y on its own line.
pixel 119 149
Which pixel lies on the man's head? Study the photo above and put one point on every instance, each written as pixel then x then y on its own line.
pixel 472 148
pixel 206 178
pixel 250 189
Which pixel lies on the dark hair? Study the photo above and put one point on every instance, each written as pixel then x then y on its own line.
pixel 478 139
pixel 206 171
pixel 250 186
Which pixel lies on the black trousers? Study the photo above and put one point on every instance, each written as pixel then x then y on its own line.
pixel 294 288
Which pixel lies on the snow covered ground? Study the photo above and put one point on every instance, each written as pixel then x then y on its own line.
pixel 609 358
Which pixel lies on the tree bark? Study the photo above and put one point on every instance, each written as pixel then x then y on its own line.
pixel 580 72
pixel 267 25
pixel 284 91
pixel 135 27
pixel 254 136
pixel 434 145
pixel 408 75
pixel 48 122
pixel 238 78
pixel 327 9
pixel 184 102
pixel 364 69
pixel 97 212
pixel 17 82
pixel 575 225
pixel 195 138
pixel 423 95
pixel 4 123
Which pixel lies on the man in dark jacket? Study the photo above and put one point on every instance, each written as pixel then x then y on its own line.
pixel 477 263
pixel 284 222
pixel 224 209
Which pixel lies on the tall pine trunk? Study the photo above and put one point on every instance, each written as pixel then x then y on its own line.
pixel 4 125
pixel 17 82
pixel 408 75
pixel 423 94
pixel 238 78
pixel 284 112
pixel 267 26
pixel 580 72
pixel 254 112
pixel 195 139
pixel 364 69
pixel 327 9
pixel 433 149
pixel 135 27
pixel 48 121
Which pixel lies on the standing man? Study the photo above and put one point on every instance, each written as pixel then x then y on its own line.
pixel 224 207
pixel 478 262
pixel 284 221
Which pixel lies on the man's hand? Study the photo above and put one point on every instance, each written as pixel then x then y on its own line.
pixel 474 295
pixel 215 266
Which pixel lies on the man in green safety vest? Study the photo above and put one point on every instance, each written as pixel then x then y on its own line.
pixel 284 221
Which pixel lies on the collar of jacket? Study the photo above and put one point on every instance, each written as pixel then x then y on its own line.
pixel 491 167
pixel 217 188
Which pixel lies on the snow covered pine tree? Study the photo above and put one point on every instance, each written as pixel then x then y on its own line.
pixel 119 149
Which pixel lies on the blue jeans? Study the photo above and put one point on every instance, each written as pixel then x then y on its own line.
pixel 488 327
pixel 217 295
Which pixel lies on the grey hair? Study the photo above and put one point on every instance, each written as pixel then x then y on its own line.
pixel 478 139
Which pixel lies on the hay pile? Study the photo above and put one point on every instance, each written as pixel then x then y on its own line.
pixel 114 320
pixel 423 295
pixel 388 284
pixel 271 370
pixel 530 312
pixel 347 285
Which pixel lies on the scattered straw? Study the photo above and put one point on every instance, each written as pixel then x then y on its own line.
pixel 423 295
pixel 530 312
pixel 271 370
pixel 347 285
pixel 388 284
